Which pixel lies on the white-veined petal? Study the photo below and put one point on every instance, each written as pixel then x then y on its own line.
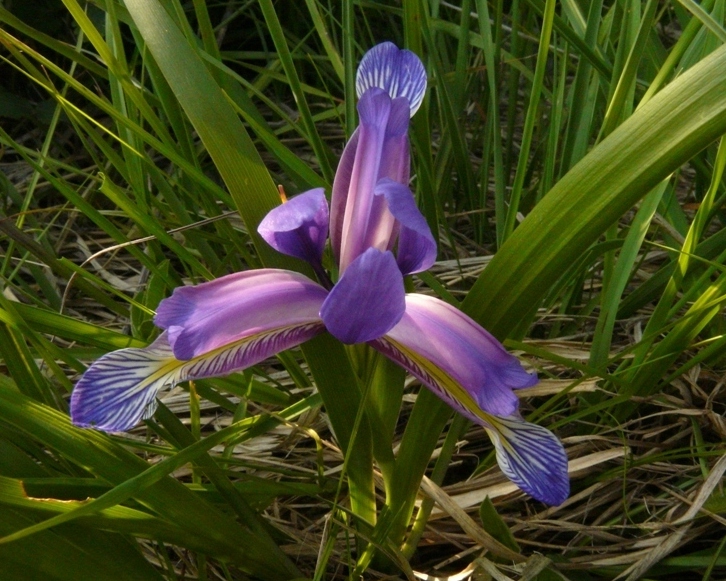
pixel 120 388
pixel 532 457
pixel 399 72
pixel 528 454
pixel 438 338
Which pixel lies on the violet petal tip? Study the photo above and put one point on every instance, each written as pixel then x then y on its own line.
pixel 399 72
pixel 533 458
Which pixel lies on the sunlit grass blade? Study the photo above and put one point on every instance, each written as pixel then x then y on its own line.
pixel 518 184
pixel 621 274
pixel 133 477
pixel 701 14
pixel 493 138
pixel 684 44
pixel 653 142
pixel 325 38
pixel 218 126
pixel 618 107
pixel 663 308
pixel 581 110
pixel 283 53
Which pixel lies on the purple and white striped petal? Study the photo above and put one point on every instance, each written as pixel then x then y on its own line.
pixel 120 388
pixel 299 227
pixel 529 455
pixel 436 343
pixel 367 301
pixel 453 355
pixel 532 457
pixel 378 149
pixel 215 314
pixel 416 250
pixel 398 72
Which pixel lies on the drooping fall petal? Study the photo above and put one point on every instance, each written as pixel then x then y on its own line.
pixel 299 227
pixel 438 344
pixel 120 388
pixel 450 352
pixel 212 315
pixel 367 301
pixel 416 245
pixel 397 71
pixel 116 391
pixel 532 457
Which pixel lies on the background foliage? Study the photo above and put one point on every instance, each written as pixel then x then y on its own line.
pixel 572 148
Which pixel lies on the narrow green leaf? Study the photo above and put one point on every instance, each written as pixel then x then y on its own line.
pixel 148 484
pixel 283 52
pixel 75 553
pixel 330 51
pixel 602 338
pixel 495 526
pixel 218 126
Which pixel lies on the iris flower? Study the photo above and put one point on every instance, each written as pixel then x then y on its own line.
pixel 378 236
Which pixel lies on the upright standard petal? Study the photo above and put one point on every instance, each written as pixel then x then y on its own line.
pixel 341 189
pixel 451 353
pixel 378 149
pixel 212 315
pixel 395 166
pixel 398 72
pixel 299 227
pixel 120 388
pixel 374 109
pixel 416 250
pixel 367 301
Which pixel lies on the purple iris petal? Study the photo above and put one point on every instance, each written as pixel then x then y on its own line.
pixel 374 109
pixel 395 165
pixel 532 457
pixel 379 149
pixel 299 227
pixel 367 301
pixel 470 370
pixel 120 388
pixel 341 188
pixel 395 156
pixel 399 72
pixel 416 245
pixel 116 391
pixel 432 335
pixel 215 314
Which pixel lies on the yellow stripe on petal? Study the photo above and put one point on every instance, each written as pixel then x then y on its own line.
pixel 120 388
pixel 529 455
pixel 435 378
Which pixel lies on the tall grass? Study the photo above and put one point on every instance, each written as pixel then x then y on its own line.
pixel 573 148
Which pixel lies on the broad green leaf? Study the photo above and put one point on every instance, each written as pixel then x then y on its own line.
pixel 666 132
pixel 73 553
pixel 220 534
